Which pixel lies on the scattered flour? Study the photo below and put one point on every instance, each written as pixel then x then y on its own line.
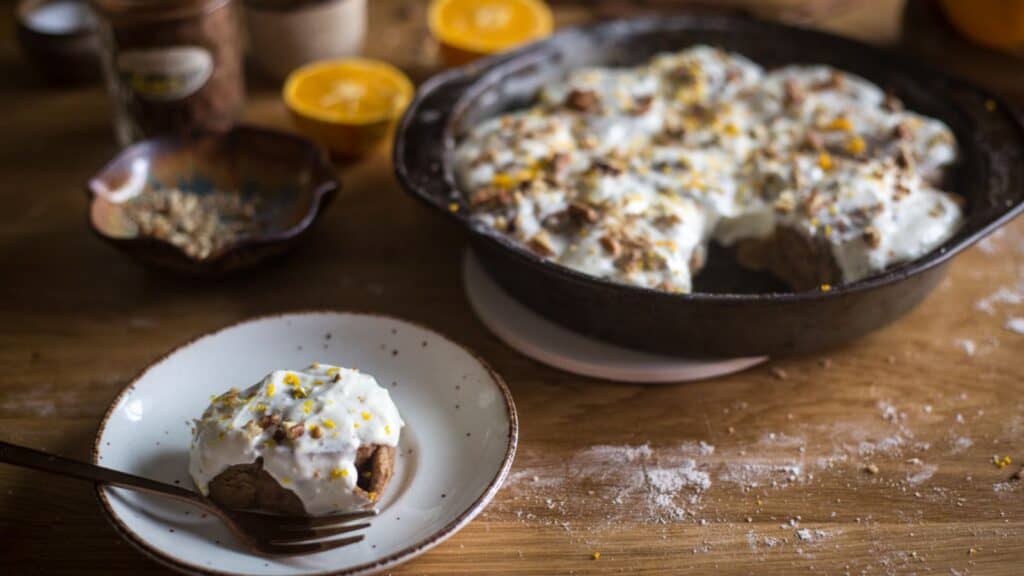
pixel 642 484
pixel 889 411
pixel 668 485
pixel 617 453
pixel 757 474
pixel 1015 325
pixel 808 535
pixel 923 475
pixel 1005 486
pixel 888 445
pixel 968 346
pixel 672 480
pixel 680 482
pixel 962 443
pixel 1002 296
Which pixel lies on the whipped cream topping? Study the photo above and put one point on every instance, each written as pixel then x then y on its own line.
pixel 628 173
pixel 330 411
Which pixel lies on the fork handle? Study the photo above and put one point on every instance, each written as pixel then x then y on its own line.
pixel 46 462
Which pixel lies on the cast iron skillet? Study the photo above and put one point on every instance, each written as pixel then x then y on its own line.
pixel 732 312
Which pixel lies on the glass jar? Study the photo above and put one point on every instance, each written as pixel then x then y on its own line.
pixel 172 66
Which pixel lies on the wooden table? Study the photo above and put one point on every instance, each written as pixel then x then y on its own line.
pixel 767 471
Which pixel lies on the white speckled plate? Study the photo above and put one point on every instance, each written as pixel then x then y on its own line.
pixel 454 453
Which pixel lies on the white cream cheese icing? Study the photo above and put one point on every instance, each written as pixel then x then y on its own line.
pixel 626 174
pixel 339 410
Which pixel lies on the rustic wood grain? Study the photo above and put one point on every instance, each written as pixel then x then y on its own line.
pixel 78 321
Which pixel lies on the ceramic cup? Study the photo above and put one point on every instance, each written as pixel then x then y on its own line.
pixel 286 35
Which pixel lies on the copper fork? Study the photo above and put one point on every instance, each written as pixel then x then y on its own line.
pixel 269 534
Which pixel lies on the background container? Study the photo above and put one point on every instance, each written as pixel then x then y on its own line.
pixel 284 35
pixel 172 66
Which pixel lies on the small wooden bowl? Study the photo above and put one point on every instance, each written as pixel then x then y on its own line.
pixel 64 47
pixel 291 175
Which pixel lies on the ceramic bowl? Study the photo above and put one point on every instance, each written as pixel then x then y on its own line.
pixel 290 175
pixel 454 452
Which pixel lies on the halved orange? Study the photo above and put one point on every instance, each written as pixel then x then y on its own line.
pixel 469 29
pixel 348 105
pixel 997 24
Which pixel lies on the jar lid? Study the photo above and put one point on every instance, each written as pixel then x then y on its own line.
pixel 129 10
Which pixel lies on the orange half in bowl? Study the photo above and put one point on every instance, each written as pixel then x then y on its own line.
pixel 997 24
pixel 347 105
pixel 469 29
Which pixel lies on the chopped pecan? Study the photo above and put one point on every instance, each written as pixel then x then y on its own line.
pixel 610 245
pixel 289 431
pixel 904 158
pixel 490 196
pixel 583 100
pixel 667 220
pixel 892 103
pixel 683 75
pixel 603 166
pixel 835 81
pixel 294 431
pixel 814 141
pixel 813 202
pixel 582 213
pixel 872 237
pixel 252 429
pixel 903 131
pixel 541 245
pixel 560 162
pixel 702 112
pixel 652 260
pixel 269 420
pixel 641 104
pixel 628 261
pixel 558 222
pixel 772 184
pixel 900 193
pixel 785 203
pixel 863 214
pixel 793 94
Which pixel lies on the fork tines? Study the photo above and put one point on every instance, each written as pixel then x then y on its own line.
pixel 292 535
pixel 307 548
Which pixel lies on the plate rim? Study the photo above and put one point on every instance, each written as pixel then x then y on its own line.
pixel 373 567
